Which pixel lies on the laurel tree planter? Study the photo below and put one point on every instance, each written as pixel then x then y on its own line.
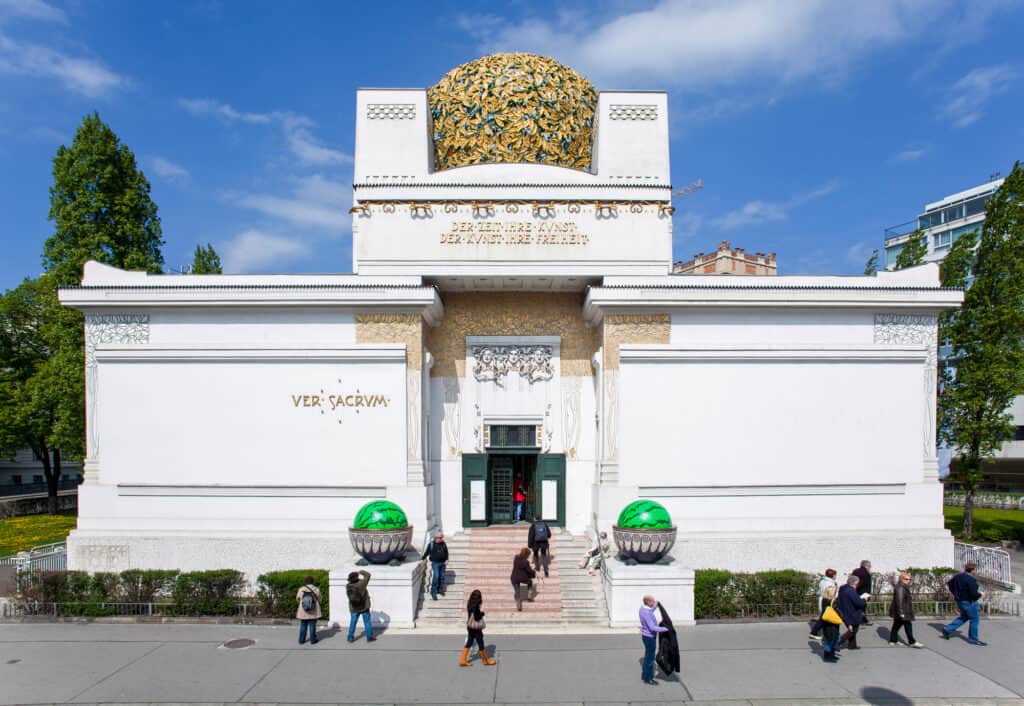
pixel 381 532
pixel 644 532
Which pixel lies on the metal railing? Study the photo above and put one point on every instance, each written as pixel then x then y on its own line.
pixel 110 609
pixel 876 608
pixel 992 563
pixel 13 490
pixel 48 557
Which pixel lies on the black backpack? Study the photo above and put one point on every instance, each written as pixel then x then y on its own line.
pixel 308 601
pixel 541 532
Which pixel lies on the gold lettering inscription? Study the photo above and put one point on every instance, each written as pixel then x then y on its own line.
pixel 514 233
pixel 336 401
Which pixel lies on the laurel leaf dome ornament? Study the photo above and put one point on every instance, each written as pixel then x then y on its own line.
pixel 513 108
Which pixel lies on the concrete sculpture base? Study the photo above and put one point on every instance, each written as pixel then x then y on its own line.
pixel 625 586
pixel 394 593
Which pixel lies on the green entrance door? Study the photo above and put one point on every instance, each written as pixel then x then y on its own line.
pixel 474 490
pixel 502 469
pixel 550 502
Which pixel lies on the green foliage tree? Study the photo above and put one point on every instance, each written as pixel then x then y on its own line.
pixel 871 267
pixel 38 377
pixel 100 204
pixel 913 252
pixel 986 336
pixel 205 261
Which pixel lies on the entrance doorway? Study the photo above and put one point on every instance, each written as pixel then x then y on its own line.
pixel 492 481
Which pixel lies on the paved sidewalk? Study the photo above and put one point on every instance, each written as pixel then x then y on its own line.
pixel 722 664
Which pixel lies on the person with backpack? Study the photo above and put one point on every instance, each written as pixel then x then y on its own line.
pixel 475 630
pixel 537 540
pixel 308 611
pixel 359 604
pixel 437 551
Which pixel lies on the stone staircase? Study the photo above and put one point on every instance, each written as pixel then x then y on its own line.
pixel 481 558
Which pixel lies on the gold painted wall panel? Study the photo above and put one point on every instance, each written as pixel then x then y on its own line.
pixel 393 328
pixel 633 328
pixel 512 314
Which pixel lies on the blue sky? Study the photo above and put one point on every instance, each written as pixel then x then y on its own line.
pixel 813 124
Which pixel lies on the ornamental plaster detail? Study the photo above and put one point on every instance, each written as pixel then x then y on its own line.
pixel 493 363
pixel 633 112
pixel 528 314
pixel 452 422
pixel 391 111
pixel 393 328
pixel 572 389
pixel 633 328
pixel 916 329
pixel 121 329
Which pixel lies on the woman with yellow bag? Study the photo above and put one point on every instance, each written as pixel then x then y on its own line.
pixel 830 622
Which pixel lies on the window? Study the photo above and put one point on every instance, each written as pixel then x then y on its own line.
pixel 943 240
pixel 1018 435
pixel 16 479
pixel 929 220
pixel 37 479
pixel 976 206
pixel 509 436
pixel 891 254
pixel 953 213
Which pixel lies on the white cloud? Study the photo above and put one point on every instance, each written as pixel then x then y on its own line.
pixel 31 10
pixel 295 128
pixel 253 250
pixel 970 94
pixel 314 202
pixel 86 76
pixel 702 43
pixel 167 169
pixel 908 155
pixel 759 211
pixel 859 253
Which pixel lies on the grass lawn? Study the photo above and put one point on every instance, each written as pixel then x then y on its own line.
pixel 20 533
pixel 989 525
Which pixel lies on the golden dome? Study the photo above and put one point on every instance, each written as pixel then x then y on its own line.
pixel 513 108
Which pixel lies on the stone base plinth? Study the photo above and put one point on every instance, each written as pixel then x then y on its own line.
pixel 625 586
pixel 394 592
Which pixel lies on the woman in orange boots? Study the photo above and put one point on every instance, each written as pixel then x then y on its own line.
pixel 475 630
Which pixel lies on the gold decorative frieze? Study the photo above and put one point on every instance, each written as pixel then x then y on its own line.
pixel 633 328
pixel 393 328
pixel 512 314
pixel 487 209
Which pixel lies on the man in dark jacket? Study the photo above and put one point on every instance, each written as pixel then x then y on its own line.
pixel 964 588
pixel 437 551
pixel 851 607
pixel 359 604
pixel 863 574
pixel 537 540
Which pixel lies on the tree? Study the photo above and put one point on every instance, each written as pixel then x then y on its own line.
pixel 986 337
pixel 102 211
pixel 913 251
pixel 871 267
pixel 205 261
pixel 100 204
pixel 37 378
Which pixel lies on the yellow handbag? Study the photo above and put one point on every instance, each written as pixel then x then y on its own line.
pixel 831 615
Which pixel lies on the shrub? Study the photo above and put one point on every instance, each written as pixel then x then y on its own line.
pixel 215 592
pixel 276 591
pixel 776 592
pixel 146 585
pixel 713 594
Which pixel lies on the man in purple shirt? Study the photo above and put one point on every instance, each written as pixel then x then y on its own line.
pixel 649 630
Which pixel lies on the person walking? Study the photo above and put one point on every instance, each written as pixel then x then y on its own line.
pixel 520 500
pixel 829 579
pixel 593 558
pixel 475 630
pixel 964 588
pixel 851 607
pixel 830 622
pixel 437 551
pixel 522 575
pixel 649 630
pixel 308 611
pixel 863 574
pixel 902 612
pixel 359 604
pixel 537 540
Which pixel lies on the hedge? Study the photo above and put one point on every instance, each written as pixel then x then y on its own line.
pixel 724 594
pixel 276 591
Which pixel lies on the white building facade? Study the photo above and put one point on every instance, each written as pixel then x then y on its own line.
pixel 512 323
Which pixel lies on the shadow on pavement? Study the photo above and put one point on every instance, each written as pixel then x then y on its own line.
pixel 882 696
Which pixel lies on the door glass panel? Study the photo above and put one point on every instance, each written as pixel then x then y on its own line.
pixel 501 488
